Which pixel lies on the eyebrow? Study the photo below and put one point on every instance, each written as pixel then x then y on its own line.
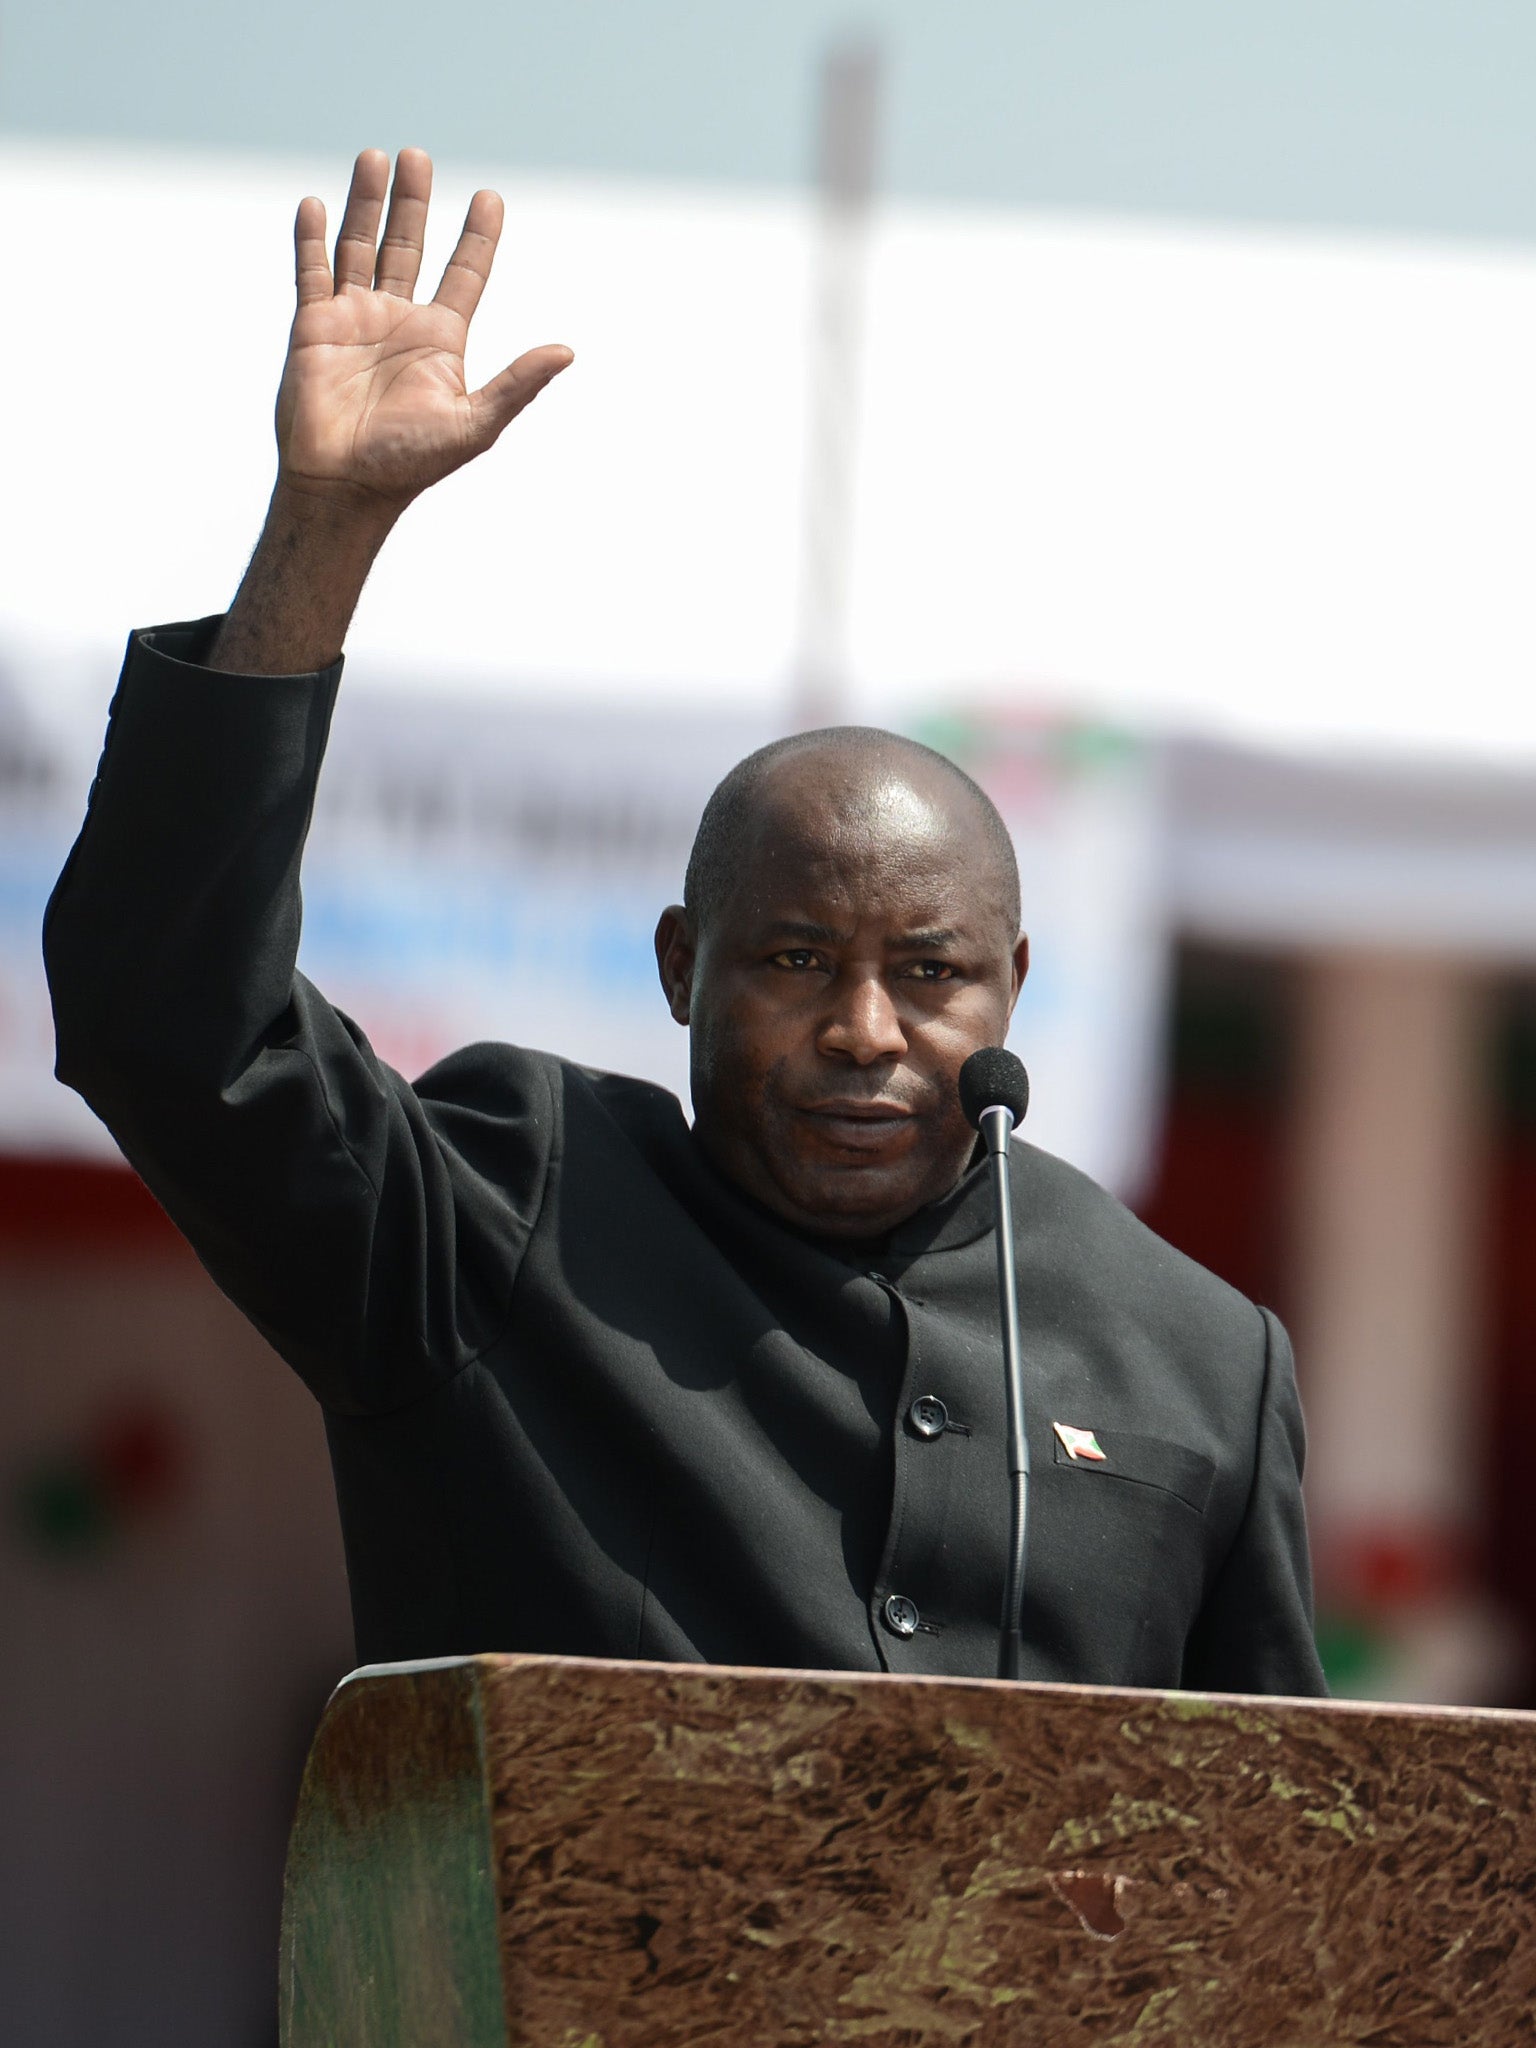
pixel 932 939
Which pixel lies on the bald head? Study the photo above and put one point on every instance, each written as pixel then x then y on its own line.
pixel 862 783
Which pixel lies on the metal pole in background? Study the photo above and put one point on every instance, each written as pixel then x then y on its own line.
pixel 850 107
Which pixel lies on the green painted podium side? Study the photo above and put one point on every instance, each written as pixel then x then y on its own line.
pixel 530 1852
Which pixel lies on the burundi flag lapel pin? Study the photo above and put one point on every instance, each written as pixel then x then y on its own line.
pixel 1079 1443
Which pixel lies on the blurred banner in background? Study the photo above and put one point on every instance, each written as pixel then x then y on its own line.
pixel 476 872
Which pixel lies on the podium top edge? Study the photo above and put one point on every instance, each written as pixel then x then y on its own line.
pixel 1192 1704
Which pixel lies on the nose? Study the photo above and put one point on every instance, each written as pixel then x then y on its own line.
pixel 861 1023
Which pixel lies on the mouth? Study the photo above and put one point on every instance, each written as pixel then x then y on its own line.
pixel 858 1125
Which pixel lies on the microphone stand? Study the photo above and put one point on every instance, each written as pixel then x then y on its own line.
pixel 996 1130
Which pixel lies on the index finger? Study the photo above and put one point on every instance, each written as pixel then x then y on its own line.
pixel 469 266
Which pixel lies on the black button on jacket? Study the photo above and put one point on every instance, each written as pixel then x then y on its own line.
pixel 583 1396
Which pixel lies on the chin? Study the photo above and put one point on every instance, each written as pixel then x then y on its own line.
pixel 852 1204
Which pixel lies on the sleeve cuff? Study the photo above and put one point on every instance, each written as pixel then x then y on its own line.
pixel 187 643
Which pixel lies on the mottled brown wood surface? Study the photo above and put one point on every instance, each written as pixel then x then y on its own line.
pixel 768 1859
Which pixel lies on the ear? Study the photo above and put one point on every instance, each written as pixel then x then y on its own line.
pixel 1020 968
pixel 675 952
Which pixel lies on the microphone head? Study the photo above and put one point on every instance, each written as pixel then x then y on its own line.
pixel 994 1078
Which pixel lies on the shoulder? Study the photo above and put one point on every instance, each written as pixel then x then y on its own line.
pixel 1091 1247
pixel 493 1083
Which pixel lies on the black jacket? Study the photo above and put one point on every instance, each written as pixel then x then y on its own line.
pixel 582 1395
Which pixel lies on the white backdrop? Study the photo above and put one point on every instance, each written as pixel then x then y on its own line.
pixel 1273 484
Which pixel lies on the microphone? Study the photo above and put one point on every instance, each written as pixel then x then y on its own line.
pixel 994 1093
pixel 994 1078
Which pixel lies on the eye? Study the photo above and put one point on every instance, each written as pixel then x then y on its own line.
pixel 930 970
pixel 794 958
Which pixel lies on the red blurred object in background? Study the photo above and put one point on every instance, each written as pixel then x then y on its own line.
pixel 139 1455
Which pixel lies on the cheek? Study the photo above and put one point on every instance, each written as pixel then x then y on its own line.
pixel 761 1015
pixel 736 1045
pixel 953 1030
pixel 986 1017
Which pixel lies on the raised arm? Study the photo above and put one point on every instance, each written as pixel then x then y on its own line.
pixel 373 409
pixel 371 1228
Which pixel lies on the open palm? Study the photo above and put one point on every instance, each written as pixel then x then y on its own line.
pixel 373 401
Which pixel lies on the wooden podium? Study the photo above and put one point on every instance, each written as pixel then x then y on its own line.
pixel 531 1852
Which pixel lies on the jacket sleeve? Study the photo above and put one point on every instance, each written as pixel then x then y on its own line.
pixel 360 1223
pixel 1254 1632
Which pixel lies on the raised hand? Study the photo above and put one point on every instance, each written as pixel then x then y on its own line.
pixel 373 408
pixel 373 402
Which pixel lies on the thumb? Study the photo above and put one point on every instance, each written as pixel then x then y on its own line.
pixel 496 404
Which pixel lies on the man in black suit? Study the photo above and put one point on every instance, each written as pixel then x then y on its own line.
pixel 594 1382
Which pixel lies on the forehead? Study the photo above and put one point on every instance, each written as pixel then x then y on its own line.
pixel 869 837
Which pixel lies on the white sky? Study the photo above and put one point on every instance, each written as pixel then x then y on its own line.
pixel 1261 482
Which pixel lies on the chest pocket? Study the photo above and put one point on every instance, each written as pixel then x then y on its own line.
pixel 1148 1461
